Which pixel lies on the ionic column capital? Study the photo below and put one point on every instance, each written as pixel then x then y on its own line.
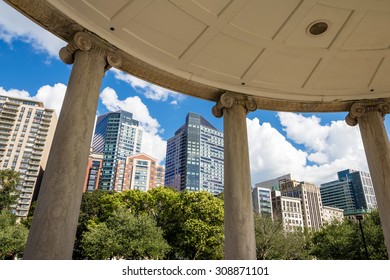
pixel 359 109
pixel 229 99
pixel 83 41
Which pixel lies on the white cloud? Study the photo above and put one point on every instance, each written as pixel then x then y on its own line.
pixel 152 143
pixel 15 26
pixel 14 93
pixel 149 90
pixel 51 96
pixel 327 149
pixel 271 155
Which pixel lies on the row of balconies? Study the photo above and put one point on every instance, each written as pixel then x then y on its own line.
pixel 12 112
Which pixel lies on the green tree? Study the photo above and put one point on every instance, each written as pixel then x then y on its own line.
pixel 273 243
pixel 343 240
pixel 124 236
pixel 9 179
pixel 91 211
pixel 202 226
pixel 13 236
pixel 192 222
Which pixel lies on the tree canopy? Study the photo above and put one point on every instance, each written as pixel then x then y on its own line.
pixel 9 179
pixel 343 240
pixel 192 222
pixel 272 243
pixel 124 236
pixel 13 236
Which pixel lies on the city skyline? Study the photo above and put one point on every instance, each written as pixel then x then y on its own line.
pixel 310 146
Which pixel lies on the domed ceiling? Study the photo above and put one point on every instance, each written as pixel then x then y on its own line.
pixel 326 51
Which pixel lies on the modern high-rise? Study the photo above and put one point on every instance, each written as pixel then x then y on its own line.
pixel 262 201
pixel 311 201
pixel 117 135
pixel 139 172
pixel 352 192
pixel 195 157
pixel 26 134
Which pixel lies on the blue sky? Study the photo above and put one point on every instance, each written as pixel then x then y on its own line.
pixel 311 147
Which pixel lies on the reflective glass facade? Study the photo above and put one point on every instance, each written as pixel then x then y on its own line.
pixel 353 191
pixel 194 159
pixel 117 135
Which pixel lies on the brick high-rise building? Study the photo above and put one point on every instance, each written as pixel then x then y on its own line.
pixel 139 172
pixel 94 170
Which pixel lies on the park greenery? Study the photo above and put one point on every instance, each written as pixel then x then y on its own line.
pixel 165 224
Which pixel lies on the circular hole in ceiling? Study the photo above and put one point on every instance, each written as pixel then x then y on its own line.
pixel 317 28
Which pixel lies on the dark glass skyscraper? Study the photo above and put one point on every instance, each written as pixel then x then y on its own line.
pixel 352 192
pixel 117 135
pixel 194 159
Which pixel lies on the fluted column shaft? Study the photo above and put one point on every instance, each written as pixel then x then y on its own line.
pixel 239 224
pixel 370 118
pixel 54 225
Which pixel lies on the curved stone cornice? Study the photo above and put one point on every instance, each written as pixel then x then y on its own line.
pixel 41 12
pixel 359 109
pixel 229 99
pixel 83 41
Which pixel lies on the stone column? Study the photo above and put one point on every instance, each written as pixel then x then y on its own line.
pixel 370 116
pixel 53 229
pixel 239 224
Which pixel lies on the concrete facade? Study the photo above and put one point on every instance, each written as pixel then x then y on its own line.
pixel 288 210
pixel 331 214
pixel 26 134
pixel 311 201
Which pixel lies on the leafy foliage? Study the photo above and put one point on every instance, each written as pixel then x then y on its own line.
pixel 124 236
pixel 273 243
pixel 13 236
pixel 343 240
pixel 192 222
pixel 9 179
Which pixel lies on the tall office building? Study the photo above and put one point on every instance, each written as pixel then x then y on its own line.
pixel 26 133
pixel 262 201
pixel 311 201
pixel 194 159
pixel 117 135
pixel 139 172
pixel 352 192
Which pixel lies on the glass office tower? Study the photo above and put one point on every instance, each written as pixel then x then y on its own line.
pixel 194 159
pixel 117 135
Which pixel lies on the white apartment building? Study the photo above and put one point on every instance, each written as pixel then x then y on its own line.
pixel 26 133
pixel 289 210
pixel 332 213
